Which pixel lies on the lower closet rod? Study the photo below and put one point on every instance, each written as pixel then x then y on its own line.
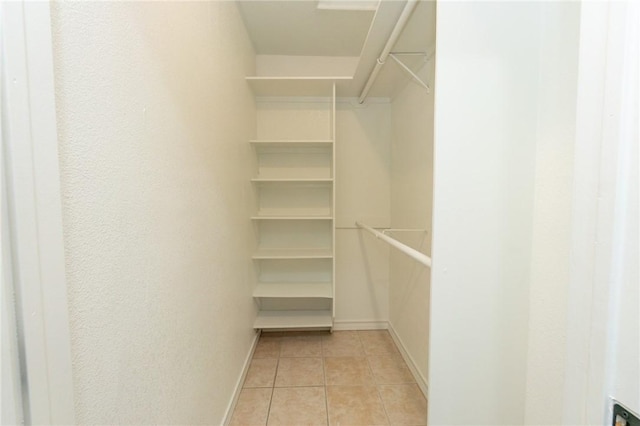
pixel 420 257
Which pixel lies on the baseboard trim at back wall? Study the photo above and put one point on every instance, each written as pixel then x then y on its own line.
pixel 420 379
pixel 238 388
pixel 344 325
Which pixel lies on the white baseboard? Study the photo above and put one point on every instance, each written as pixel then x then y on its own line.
pixel 420 379
pixel 236 392
pixel 343 325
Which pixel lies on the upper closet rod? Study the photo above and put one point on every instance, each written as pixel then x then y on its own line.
pixel 420 257
pixel 397 30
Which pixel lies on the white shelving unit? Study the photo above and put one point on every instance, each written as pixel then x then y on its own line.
pixel 294 220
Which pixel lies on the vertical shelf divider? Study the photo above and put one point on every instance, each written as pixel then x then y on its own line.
pixel 333 200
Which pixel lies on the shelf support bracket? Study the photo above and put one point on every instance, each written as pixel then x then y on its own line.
pixel 413 74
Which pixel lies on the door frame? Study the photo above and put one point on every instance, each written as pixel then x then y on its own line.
pixel 602 196
pixel 35 241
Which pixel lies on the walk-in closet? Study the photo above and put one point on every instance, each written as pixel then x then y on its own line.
pixel 333 212
pixel 318 111
pixel 341 189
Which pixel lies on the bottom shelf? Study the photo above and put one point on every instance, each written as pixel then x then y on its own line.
pixel 293 319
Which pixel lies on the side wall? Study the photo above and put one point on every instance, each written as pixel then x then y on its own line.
pixel 411 208
pixel 548 296
pixel 484 165
pixel 154 117
pixel 574 316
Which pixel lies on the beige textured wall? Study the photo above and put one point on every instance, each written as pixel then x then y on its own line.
pixel 154 117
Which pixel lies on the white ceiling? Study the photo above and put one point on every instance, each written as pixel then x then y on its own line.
pixel 298 27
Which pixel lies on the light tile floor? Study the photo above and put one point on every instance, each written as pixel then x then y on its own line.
pixel 346 378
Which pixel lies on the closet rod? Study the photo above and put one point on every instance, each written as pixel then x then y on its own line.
pixel 420 257
pixel 384 231
pixel 397 30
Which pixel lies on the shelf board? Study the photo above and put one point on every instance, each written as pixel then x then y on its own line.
pixel 265 213
pixel 293 319
pixel 293 254
pixel 287 143
pixel 291 180
pixel 294 86
pixel 294 290
pixel 307 217
pixel 293 147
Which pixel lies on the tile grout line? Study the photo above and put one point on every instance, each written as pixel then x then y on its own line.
pixel 273 386
pixel 384 407
pixel 269 408
pixel 324 377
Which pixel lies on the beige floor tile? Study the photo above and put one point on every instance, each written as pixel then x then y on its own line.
pixel 298 406
pixel 378 342
pixel 267 347
pixel 347 371
pixel 389 370
pixel 300 372
pixel 355 405
pixel 252 407
pixel 308 333
pixel 405 404
pixel 261 373
pixel 301 346
pixel 267 333
pixel 342 343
